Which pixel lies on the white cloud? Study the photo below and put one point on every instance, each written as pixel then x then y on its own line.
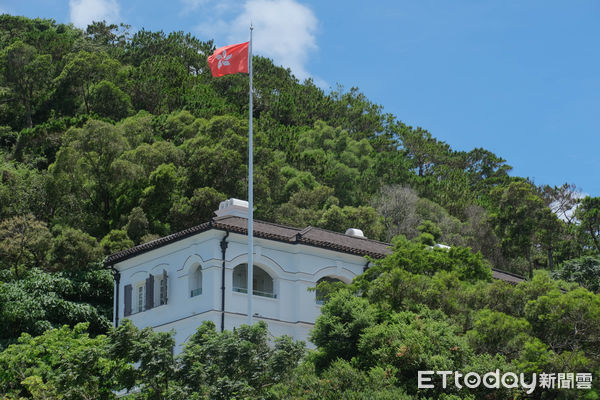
pixel 214 29
pixel 284 30
pixel 84 12
pixel 190 5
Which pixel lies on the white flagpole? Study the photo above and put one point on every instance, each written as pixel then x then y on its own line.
pixel 250 189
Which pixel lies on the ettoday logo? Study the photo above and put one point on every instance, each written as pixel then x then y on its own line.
pixel 508 380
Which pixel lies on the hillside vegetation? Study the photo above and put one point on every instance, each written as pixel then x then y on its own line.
pixel 109 139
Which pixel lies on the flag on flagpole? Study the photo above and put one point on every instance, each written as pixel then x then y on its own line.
pixel 229 59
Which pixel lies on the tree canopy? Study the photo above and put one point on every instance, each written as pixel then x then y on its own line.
pixel 111 138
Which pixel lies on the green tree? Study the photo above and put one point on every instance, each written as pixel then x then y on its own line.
pixel 8 138
pixel 420 259
pixel 485 168
pixel 39 301
pixel 410 342
pixel 115 241
pixel 153 353
pixel 352 111
pixel 584 270
pixel 588 214
pixel 515 219
pixel 159 84
pixel 216 157
pixel 27 73
pixel 185 48
pixel 84 69
pixel 549 233
pixel 339 328
pixel 337 160
pixel 422 149
pixel 431 228
pixel 235 364
pixel 73 249
pixel 61 363
pixel 478 233
pixel 87 174
pixel 306 207
pixel 24 243
pixel 157 199
pixel 497 333
pixel 139 130
pixel 137 225
pixel 363 217
pixel 340 381
pixel 23 191
pixel 108 100
pixel 108 34
pixel 188 212
pixel 567 322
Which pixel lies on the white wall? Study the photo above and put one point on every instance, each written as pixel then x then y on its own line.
pixel 294 269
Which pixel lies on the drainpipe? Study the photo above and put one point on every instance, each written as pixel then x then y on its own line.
pixel 223 249
pixel 117 277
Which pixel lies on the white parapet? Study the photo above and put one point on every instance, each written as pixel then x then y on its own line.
pixel 233 207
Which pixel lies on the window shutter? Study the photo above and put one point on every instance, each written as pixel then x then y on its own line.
pixel 149 292
pixel 163 284
pixel 127 309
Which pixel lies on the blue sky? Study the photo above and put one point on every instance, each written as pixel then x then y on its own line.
pixel 519 78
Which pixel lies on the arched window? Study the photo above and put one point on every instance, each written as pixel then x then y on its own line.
pixel 196 281
pixel 262 283
pixel 320 295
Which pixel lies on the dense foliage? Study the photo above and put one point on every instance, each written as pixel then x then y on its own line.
pixel 372 338
pixel 110 138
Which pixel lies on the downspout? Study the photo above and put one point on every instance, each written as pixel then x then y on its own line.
pixel 117 277
pixel 223 250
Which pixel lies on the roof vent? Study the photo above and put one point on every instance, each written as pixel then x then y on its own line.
pixel 233 207
pixel 355 232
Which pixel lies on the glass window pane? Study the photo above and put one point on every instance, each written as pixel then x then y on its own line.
pixel 196 282
pixel 262 283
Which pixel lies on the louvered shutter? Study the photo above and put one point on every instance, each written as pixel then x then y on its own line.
pixel 149 292
pixel 127 308
pixel 164 286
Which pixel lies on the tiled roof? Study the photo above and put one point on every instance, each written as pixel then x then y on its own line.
pixel 154 244
pixel 507 276
pixel 308 236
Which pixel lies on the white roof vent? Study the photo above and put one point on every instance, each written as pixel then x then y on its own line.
pixel 233 207
pixel 355 232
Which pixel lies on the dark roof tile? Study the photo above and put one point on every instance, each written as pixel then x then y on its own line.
pixel 309 236
pixel 507 276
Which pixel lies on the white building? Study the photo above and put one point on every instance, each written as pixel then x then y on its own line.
pixel 200 274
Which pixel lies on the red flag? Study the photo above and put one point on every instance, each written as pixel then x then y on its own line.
pixel 229 59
